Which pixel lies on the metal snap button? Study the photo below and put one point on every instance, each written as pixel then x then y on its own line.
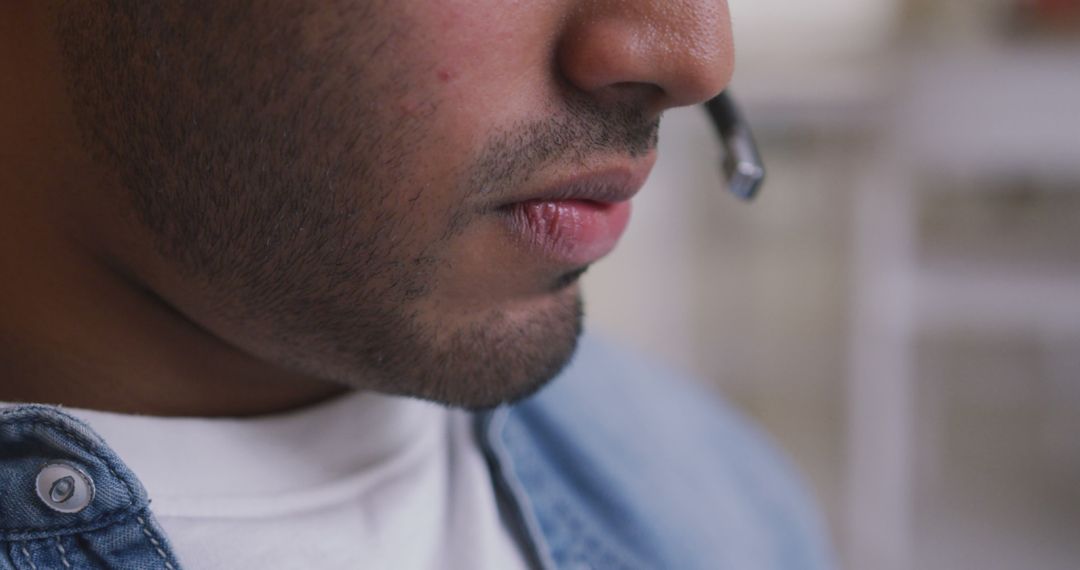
pixel 64 487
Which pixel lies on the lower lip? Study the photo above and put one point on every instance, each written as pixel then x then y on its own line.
pixel 569 232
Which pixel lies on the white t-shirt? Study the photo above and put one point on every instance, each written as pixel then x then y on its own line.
pixel 364 481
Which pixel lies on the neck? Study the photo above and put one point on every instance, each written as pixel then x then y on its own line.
pixel 78 327
pixel 75 332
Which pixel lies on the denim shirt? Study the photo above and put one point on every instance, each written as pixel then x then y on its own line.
pixel 618 464
pixel 113 529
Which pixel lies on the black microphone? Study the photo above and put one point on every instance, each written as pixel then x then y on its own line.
pixel 742 163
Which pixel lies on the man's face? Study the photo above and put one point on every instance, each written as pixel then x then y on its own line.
pixel 397 195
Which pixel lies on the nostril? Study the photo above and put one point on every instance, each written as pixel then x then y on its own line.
pixel 644 97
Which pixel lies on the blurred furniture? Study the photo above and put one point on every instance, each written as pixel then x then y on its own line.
pixel 980 115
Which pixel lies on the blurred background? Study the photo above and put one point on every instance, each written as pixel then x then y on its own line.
pixel 900 309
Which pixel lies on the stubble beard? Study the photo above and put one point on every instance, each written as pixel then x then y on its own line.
pixel 282 231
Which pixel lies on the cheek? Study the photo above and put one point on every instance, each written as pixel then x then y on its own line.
pixel 477 66
pixel 441 82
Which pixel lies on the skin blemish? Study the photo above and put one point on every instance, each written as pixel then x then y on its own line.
pixel 413 106
pixel 445 75
pixel 409 106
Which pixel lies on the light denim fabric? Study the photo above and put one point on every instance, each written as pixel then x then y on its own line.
pixel 618 464
pixel 115 530
pixel 622 464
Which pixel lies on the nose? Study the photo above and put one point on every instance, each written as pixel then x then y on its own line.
pixel 656 54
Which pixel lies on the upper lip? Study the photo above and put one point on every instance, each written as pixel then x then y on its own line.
pixel 603 185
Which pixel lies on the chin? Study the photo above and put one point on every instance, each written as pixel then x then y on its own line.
pixel 476 361
pixel 509 357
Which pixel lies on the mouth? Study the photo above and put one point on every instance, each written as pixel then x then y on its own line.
pixel 579 220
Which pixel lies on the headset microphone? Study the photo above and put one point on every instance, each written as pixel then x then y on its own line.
pixel 742 163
